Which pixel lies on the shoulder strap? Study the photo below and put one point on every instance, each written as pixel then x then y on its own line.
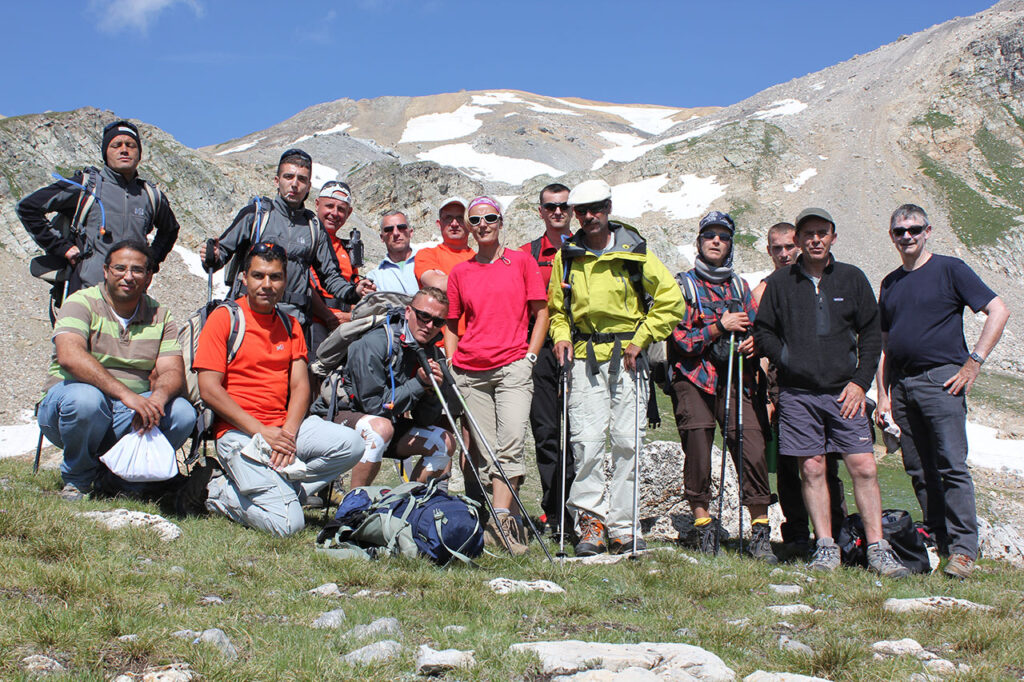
pixel 259 221
pixel 535 247
pixel 86 197
pixel 314 223
pixel 236 333
pixel 636 277
pixel 690 294
pixel 154 194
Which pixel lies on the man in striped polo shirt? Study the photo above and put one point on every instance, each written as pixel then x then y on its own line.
pixel 117 366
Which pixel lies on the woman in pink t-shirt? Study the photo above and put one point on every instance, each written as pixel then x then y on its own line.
pixel 498 290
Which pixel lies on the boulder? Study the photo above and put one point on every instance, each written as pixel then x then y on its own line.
pixel 330 620
pixel 326 590
pixel 507 586
pixel 379 627
pixel 433 662
pixel 37 665
pixel 374 653
pixel 922 604
pixel 119 518
pixel 999 542
pixel 787 643
pixel 216 637
pixel 897 647
pixel 175 672
pixel 662 659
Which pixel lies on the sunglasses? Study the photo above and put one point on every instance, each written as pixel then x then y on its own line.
pixel 722 236
pixel 391 228
pixel 584 209
pixel 490 219
pixel 913 231
pixel 552 206
pixel 268 247
pixel 426 318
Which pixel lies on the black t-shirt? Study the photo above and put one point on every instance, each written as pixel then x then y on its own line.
pixel 923 312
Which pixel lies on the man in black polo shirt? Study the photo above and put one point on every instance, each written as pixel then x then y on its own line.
pixel 926 373
pixel 818 323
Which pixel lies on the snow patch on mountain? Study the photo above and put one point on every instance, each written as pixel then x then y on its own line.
pixel 633 199
pixel 782 107
pixel 653 120
pixel 448 126
pixel 484 166
pixel 240 148
pixel 340 128
pixel 800 179
pixel 322 174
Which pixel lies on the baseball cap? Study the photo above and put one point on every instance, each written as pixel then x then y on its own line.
pixel 717 218
pixel 336 189
pixel 814 213
pixel 590 192
pixel 453 200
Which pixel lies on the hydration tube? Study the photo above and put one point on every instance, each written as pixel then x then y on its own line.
pixel 103 213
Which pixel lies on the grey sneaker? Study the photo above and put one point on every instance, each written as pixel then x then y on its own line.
pixel 883 561
pixel 826 556
pixel 959 566
pixel 71 493
pixel 707 535
pixel 761 544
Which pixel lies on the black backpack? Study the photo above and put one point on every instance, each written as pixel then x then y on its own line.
pixel 909 540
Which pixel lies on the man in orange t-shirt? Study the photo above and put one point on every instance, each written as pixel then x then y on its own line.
pixel 273 456
pixel 435 262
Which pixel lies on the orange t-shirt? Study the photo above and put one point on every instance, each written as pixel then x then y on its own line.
pixel 347 271
pixel 258 378
pixel 442 257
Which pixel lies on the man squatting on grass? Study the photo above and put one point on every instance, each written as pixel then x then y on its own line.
pixel 818 323
pixel 926 373
pixel 274 457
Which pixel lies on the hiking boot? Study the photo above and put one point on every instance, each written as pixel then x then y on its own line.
pixel 882 560
pixel 624 545
pixel 826 556
pixel 761 544
pixel 190 499
pixel 591 536
pixel 72 493
pixel 796 548
pixel 959 566
pixel 707 537
pixel 510 525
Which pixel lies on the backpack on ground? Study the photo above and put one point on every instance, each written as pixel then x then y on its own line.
pixel 909 540
pixel 412 519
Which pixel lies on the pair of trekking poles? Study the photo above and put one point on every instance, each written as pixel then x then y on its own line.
pixel 725 439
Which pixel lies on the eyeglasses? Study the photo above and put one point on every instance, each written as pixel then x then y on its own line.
pixel 121 270
pixel 552 206
pixel 913 231
pixel 595 208
pixel 708 235
pixel 268 247
pixel 391 228
pixel 426 318
pixel 489 218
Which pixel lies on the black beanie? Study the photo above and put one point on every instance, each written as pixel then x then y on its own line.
pixel 112 130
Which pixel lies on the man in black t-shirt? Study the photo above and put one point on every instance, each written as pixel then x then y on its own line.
pixel 925 374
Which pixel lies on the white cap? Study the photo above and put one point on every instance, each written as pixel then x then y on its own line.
pixel 453 200
pixel 590 192
pixel 335 189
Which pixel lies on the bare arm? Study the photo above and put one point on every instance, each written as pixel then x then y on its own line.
pixel 539 309
pixel 451 338
pixel 882 383
pixel 998 314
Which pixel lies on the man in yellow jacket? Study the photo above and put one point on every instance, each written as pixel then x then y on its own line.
pixel 600 323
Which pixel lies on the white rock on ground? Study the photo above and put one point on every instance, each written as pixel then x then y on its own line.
pixel 433 662
pixel 922 604
pixel 378 628
pixel 326 590
pixel 175 672
pixel 785 589
pixel 119 518
pixel 374 653
pixel 186 634
pixel 330 620
pixel 507 586
pixel 897 647
pixel 210 600
pixel 572 656
pixel 1000 542
pixel 216 637
pixel 128 638
pixel 453 629
pixel 762 676
pixel 787 643
pixel 39 665
pixel 633 674
pixel 790 609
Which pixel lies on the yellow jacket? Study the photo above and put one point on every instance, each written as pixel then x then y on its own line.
pixel 603 300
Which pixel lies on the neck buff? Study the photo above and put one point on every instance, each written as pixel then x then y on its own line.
pixel 710 272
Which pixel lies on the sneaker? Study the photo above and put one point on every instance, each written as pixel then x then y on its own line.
pixel 510 526
pixel 882 560
pixel 826 556
pixel 959 566
pixel 591 537
pixel 72 493
pixel 624 545
pixel 707 537
pixel 761 544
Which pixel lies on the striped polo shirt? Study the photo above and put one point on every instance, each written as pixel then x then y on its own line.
pixel 128 353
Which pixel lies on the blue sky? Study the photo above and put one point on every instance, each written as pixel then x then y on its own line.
pixel 211 70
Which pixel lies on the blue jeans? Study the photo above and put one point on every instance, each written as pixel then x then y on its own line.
pixel 85 422
pixel 934 443
pixel 253 494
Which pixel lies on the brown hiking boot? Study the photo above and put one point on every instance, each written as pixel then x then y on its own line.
pixel 510 525
pixel 959 566
pixel 591 536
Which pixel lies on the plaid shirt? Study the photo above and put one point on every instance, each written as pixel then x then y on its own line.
pixel 692 336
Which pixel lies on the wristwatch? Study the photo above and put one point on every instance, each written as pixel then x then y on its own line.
pixel 977 358
pixel 532 357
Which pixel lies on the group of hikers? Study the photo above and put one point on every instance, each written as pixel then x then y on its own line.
pixel 552 335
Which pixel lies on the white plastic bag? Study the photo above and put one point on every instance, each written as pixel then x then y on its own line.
pixel 142 457
pixel 259 450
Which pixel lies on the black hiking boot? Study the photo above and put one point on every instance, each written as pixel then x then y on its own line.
pixel 761 544
pixel 707 537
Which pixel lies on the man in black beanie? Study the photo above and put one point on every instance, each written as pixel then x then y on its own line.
pixel 101 207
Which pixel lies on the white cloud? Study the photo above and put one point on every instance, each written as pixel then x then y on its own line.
pixel 139 14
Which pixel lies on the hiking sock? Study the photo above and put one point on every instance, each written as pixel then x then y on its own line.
pixel 700 523
pixel 757 522
pixel 501 510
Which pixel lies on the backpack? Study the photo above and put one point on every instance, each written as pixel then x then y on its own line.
pixel 909 540
pixel 232 274
pixel 412 519
pixel 371 311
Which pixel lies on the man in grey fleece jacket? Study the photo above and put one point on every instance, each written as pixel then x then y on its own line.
pixel 818 322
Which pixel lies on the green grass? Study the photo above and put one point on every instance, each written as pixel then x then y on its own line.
pixel 70 589
pixel 935 120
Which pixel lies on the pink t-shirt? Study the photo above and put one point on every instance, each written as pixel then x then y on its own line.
pixel 495 299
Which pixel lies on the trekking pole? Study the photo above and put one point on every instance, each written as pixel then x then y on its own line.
pixel 208 264
pixel 725 440
pixel 563 380
pixel 421 355
pixel 739 443
pixel 638 376
pixel 494 459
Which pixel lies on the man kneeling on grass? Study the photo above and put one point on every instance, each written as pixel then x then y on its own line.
pixel 273 456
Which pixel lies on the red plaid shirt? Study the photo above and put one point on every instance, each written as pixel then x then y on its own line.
pixel 692 336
